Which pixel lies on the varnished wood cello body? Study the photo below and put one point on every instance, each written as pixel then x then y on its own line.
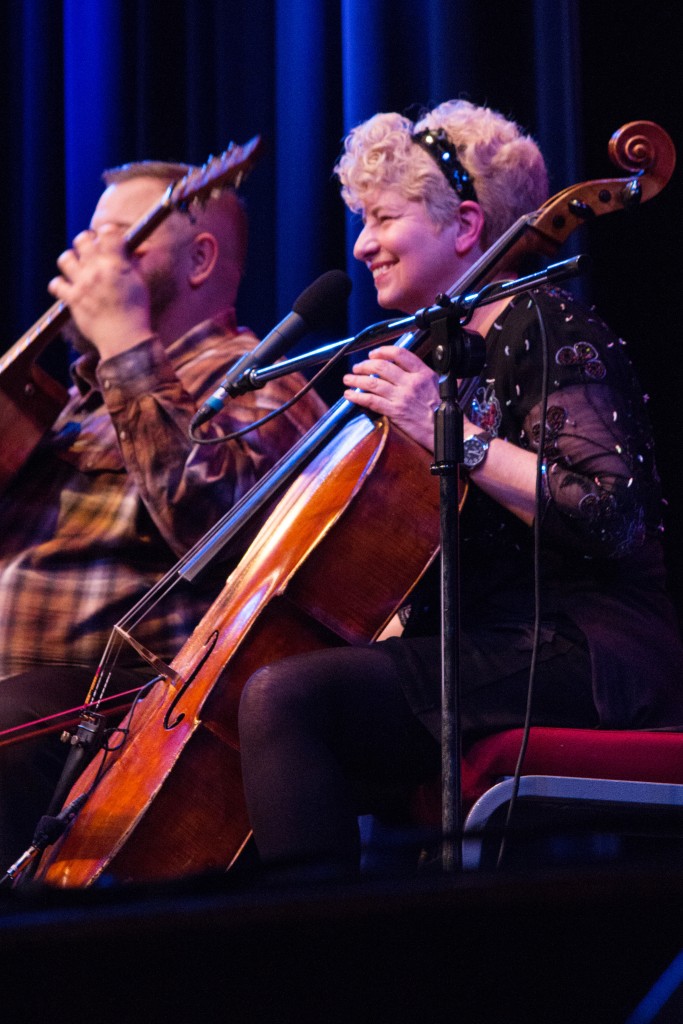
pixel 188 787
pixel 320 572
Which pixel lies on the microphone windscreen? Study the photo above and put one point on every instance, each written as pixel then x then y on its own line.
pixel 320 303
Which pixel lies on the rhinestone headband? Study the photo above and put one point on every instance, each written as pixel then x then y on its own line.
pixel 435 142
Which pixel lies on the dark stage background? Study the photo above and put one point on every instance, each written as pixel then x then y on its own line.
pixel 87 84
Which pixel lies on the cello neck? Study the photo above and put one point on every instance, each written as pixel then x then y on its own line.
pixel 293 462
pixel 640 147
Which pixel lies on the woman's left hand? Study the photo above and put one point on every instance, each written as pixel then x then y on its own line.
pixel 396 383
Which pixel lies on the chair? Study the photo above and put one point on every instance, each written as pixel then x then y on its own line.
pixel 598 781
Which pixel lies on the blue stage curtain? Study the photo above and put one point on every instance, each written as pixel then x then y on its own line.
pixel 91 83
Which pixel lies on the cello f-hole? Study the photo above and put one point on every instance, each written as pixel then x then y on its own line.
pixel 208 648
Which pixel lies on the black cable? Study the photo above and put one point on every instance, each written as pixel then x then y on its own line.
pixel 540 462
pixel 282 408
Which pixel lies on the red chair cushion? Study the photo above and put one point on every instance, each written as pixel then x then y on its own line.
pixel 583 753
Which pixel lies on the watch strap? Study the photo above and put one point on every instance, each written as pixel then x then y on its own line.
pixel 476 448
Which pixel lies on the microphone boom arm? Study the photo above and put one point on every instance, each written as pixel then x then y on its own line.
pixel 460 306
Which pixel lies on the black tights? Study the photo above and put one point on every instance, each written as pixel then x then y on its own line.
pixel 324 738
pixel 329 736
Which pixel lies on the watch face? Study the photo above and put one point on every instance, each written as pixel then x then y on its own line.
pixel 474 451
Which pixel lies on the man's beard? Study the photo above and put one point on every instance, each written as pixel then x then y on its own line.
pixel 163 290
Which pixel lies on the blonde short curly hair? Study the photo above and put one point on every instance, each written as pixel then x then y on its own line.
pixel 507 168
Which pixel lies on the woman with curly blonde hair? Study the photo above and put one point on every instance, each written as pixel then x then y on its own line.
pixel 560 463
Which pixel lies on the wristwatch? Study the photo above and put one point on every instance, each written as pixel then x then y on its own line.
pixel 475 449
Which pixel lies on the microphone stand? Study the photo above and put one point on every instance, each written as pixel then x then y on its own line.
pixel 446 323
pixel 387 330
pixel 455 355
pixel 447 357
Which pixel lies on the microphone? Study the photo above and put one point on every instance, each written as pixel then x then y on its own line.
pixel 48 830
pixel 315 307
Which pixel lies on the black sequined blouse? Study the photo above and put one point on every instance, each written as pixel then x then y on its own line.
pixel 601 562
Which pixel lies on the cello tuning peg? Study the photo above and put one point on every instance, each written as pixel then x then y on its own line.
pixel 581 210
pixel 631 194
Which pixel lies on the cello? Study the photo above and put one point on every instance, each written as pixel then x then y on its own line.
pixel 168 801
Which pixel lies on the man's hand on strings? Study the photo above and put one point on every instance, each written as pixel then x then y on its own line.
pixel 104 290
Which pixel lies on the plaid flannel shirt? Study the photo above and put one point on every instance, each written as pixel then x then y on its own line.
pixel 117 492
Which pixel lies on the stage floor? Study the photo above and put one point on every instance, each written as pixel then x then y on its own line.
pixel 576 943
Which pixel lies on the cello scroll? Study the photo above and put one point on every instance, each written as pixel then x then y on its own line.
pixel 642 148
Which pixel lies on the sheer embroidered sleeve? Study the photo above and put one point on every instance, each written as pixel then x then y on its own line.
pixel 600 485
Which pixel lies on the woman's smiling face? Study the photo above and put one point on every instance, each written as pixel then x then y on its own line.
pixel 410 257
